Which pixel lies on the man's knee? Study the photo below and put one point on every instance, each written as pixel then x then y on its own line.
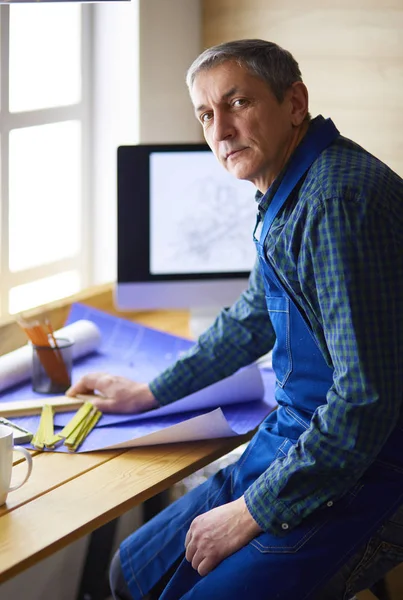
pixel 117 582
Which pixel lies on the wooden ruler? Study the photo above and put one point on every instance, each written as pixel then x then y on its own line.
pixel 23 408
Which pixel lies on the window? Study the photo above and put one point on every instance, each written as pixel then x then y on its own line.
pixel 44 148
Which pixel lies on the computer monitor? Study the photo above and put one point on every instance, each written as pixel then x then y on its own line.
pixel 184 228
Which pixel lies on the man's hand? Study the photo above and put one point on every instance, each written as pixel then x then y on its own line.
pixel 118 394
pixel 218 533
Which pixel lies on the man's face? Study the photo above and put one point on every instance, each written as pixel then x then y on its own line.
pixel 246 127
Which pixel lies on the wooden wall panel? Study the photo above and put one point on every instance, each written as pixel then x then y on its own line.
pixel 350 54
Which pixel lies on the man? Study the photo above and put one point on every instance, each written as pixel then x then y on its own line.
pixel 324 474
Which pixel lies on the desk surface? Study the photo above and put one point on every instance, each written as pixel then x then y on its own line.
pixel 70 495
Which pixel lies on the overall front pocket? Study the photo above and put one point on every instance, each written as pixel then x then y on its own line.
pixel 279 312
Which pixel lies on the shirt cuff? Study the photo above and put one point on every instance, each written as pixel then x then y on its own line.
pixel 270 513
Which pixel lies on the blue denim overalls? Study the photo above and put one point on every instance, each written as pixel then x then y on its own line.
pixel 297 565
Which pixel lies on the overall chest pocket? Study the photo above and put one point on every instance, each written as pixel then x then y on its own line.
pixel 279 312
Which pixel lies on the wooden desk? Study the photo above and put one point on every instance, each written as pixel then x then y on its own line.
pixel 69 495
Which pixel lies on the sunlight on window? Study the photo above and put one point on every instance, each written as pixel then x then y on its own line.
pixel 42 291
pixel 45 194
pixel 45 50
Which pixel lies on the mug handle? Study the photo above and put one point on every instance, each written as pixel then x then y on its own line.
pixel 28 458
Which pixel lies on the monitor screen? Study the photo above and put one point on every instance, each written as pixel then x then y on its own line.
pixel 184 228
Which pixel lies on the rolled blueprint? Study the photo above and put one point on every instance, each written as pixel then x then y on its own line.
pixel 16 366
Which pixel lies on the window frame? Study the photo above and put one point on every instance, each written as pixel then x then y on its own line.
pixel 81 112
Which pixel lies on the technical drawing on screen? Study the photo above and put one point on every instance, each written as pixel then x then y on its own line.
pixel 184 228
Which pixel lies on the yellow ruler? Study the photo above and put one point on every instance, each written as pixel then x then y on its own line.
pixel 44 437
pixel 72 435
pixel 24 408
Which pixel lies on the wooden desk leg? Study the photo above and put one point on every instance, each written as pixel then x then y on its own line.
pixel 154 505
pixel 94 580
pixel 380 590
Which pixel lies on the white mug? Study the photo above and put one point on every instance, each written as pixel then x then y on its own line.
pixel 6 462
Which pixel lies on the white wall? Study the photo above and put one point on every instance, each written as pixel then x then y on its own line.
pixel 54 578
pixel 58 577
pixel 168 35
pixel 115 120
pixel 170 39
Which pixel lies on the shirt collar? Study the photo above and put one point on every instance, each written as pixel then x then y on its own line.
pixel 264 200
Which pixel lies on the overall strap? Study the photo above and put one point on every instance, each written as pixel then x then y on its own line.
pixel 306 153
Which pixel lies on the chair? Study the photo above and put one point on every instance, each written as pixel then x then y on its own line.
pixel 380 590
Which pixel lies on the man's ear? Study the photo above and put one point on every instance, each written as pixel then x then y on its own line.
pixel 298 99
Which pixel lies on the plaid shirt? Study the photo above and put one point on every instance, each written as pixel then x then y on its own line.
pixel 337 244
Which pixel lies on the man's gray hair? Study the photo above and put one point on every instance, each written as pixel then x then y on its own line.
pixel 266 60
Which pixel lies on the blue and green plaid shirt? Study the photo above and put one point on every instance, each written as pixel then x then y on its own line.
pixel 338 245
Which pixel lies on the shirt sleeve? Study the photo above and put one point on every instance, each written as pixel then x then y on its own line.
pixel 351 273
pixel 240 335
